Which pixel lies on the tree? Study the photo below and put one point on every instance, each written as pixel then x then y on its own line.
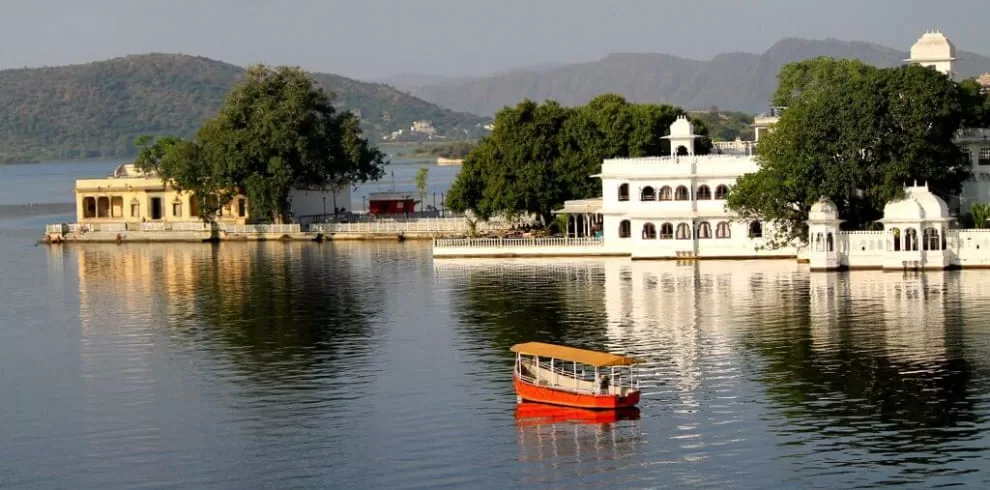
pixel 854 134
pixel 421 185
pixel 540 155
pixel 276 131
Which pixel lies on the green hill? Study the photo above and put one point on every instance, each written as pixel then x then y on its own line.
pixel 96 110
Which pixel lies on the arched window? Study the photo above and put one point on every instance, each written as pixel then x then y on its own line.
pixel 819 243
pixel 683 231
pixel 722 230
pixel 984 156
pixel 721 192
pixel 704 193
pixel 624 192
pixel 704 230
pixel 911 239
pixel 665 193
pixel 682 150
pixel 755 229
pixel 682 194
pixel 89 207
pixel 896 234
pixel 829 243
pixel 649 232
pixel 648 194
pixel 625 229
pixel 666 231
pixel 932 241
pixel 103 207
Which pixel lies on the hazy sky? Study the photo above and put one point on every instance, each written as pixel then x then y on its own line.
pixel 376 38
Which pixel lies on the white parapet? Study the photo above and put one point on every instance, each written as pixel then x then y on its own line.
pixel 521 247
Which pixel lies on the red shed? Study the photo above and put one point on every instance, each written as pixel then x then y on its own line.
pixel 391 203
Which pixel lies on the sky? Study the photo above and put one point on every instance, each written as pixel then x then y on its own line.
pixel 374 39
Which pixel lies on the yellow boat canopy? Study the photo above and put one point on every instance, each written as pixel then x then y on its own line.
pixel 590 357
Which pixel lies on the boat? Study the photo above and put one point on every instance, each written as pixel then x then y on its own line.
pixel 571 377
pixel 528 413
pixel 449 162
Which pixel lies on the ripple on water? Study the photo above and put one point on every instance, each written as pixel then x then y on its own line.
pixel 370 365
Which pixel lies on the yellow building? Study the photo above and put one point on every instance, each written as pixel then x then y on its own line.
pixel 131 195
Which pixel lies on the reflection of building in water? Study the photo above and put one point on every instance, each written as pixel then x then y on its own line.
pixel 149 279
pixel 910 317
pixel 680 313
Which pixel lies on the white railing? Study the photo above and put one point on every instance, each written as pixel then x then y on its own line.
pixel 149 226
pixel 973 133
pixel 517 242
pixel 272 228
pixel 91 227
pixel 57 228
pixel 425 225
pixel 191 226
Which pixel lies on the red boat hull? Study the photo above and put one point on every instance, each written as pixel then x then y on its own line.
pixel 543 394
pixel 528 414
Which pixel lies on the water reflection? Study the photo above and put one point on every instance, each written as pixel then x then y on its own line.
pixel 579 443
pixel 762 361
pixel 269 309
pixel 876 370
pixel 501 303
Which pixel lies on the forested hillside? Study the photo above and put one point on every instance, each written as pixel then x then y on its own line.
pixel 96 110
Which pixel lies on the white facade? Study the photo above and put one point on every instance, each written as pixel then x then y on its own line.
pixel 975 144
pixel 917 235
pixel 674 207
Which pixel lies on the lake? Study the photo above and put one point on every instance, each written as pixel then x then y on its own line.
pixel 371 365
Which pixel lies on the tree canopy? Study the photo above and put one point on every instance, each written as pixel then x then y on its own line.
pixel 276 131
pixel 855 134
pixel 540 155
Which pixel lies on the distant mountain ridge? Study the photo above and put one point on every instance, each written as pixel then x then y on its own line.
pixel 96 110
pixel 731 81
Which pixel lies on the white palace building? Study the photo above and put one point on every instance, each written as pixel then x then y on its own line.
pixel 673 207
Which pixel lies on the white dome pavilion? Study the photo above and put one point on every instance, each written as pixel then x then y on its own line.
pixel 919 204
pixel 934 50
pixel 823 210
pixel 933 46
pixel 681 127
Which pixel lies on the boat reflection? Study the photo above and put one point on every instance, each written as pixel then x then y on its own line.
pixel 564 443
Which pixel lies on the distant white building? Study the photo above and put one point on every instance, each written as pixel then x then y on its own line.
pixel 934 50
pixel 423 127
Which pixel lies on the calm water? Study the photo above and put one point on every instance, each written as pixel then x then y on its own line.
pixel 300 365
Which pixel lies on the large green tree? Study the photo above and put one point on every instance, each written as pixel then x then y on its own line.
pixel 854 134
pixel 540 155
pixel 276 131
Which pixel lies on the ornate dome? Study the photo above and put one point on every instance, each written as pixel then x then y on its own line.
pixel 823 210
pixel 933 46
pixel 918 204
pixel 681 127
